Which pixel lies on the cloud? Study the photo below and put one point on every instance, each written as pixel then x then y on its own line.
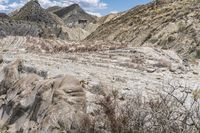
pixel 94 13
pixel 2 7
pixel 114 12
pixel 89 5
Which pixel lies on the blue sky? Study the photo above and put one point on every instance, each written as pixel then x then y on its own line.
pixel 121 5
pixel 96 7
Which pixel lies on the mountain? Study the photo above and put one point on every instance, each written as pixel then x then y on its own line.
pixel 33 20
pixel 19 28
pixel 52 22
pixel 13 13
pixel 53 8
pixel 4 16
pixel 32 11
pixel 107 18
pixel 73 13
pixel 50 84
pixel 169 25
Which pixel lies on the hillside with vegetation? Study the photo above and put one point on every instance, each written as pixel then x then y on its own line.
pixel 168 25
pixel 137 71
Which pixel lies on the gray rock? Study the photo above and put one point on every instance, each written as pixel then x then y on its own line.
pixel 33 104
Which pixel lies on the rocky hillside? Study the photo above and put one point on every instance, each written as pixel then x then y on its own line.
pixel 107 18
pixel 53 8
pixel 125 77
pixel 32 11
pixel 35 21
pixel 26 28
pixel 70 87
pixel 32 20
pixel 4 16
pixel 20 28
pixel 72 14
pixel 169 25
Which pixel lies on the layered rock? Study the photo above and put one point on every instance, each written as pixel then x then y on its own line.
pixel 33 20
pixel 169 25
pixel 30 103
pixel 19 28
pixel 25 28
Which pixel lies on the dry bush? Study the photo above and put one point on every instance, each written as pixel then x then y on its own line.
pixel 51 46
pixel 162 63
pixel 138 60
pixel 171 110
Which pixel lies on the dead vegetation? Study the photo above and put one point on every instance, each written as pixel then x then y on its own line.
pixel 162 63
pixel 174 110
pixel 53 46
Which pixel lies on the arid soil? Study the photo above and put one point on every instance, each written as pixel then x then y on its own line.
pixel 94 67
pixel 118 67
pixel 139 71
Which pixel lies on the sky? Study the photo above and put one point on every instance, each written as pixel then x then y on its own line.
pixel 95 7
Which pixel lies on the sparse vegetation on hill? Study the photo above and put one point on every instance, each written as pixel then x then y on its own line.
pixel 137 73
pixel 169 25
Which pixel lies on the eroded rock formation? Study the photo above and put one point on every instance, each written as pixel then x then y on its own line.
pixel 31 103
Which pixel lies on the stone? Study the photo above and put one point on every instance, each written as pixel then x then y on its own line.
pixel 151 70
pixel 173 68
pixel 195 72
pixel 35 104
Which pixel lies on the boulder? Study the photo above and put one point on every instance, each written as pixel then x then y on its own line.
pixel 30 103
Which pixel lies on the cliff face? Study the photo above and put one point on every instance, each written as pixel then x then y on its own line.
pixel 169 25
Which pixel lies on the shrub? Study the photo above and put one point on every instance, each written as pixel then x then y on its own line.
pixel 162 63
pixel 174 110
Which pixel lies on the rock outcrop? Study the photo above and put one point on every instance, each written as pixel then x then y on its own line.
pixel 109 17
pixel 19 28
pixel 25 28
pixel 31 103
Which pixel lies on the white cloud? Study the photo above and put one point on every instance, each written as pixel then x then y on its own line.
pixel 4 1
pixel 114 12
pixel 88 5
pixel 2 7
pixel 94 13
pixel 84 3
pixel 14 5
